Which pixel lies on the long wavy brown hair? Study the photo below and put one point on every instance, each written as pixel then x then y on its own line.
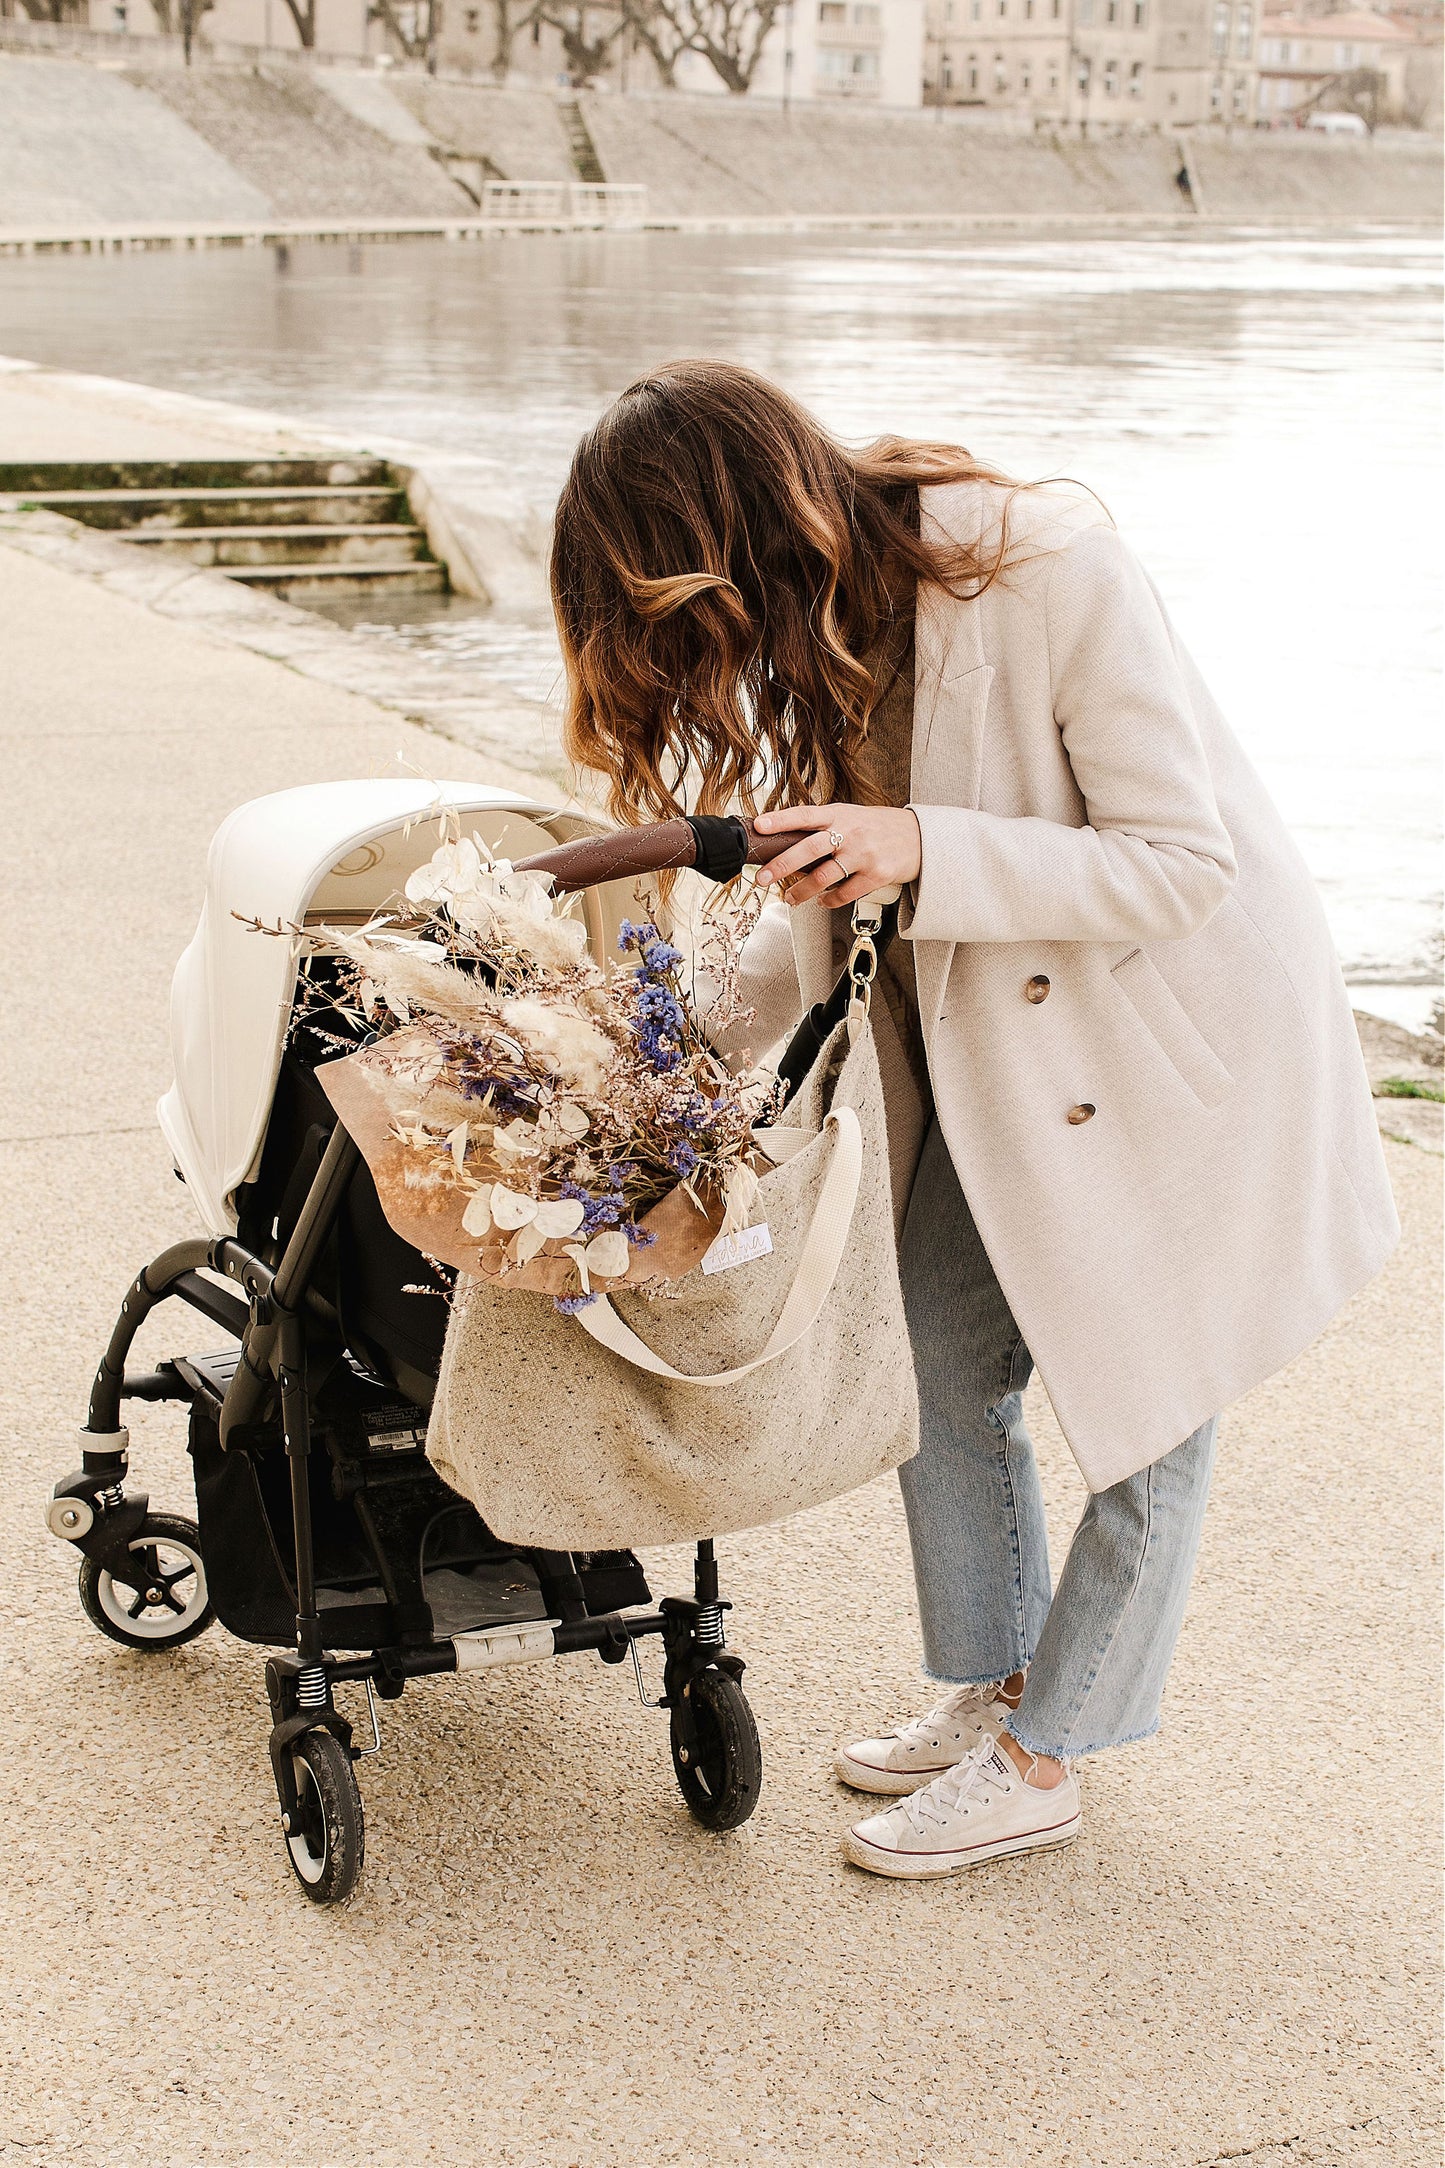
pixel 730 582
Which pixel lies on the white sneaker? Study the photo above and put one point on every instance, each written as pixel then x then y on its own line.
pixel 972 1813
pixel 904 1759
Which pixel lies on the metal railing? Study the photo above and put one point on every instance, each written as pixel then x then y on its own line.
pixel 613 204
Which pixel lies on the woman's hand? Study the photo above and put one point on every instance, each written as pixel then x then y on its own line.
pixel 852 850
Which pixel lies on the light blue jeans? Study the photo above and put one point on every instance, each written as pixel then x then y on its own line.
pixel 1097 1650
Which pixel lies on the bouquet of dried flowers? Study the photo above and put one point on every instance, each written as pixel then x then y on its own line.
pixel 529 1114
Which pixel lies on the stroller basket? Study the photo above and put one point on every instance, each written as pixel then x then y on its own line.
pixel 323 1533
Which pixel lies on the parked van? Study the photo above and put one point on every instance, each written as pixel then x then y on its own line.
pixel 1343 124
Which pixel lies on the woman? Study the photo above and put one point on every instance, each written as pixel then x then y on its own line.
pixel 1129 1119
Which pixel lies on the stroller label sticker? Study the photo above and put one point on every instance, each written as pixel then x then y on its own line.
pixel 738 1249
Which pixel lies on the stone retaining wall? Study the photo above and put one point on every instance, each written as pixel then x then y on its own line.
pixel 281 129
pixel 212 144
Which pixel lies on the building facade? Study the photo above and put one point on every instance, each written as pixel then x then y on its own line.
pixel 1305 61
pixel 1102 64
pixel 869 52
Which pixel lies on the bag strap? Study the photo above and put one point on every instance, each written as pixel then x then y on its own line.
pixel 817 1272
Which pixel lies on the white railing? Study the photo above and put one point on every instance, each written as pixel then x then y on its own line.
pixel 575 203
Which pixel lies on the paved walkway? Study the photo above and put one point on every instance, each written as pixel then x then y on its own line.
pixel 547 1963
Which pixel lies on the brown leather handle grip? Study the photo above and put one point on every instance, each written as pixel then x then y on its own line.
pixel 629 852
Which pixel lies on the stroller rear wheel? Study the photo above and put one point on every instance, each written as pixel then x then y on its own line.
pixel 169 1603
pixel 326 1841
pixel 720 1773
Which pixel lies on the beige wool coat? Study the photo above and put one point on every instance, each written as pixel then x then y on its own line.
pixel 1141 1048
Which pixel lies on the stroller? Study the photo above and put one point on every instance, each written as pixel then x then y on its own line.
pixel 323 1533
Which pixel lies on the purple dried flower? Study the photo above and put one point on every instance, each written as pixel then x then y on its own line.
pixel 569 1305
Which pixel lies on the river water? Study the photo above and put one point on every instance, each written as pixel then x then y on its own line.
pixel 1258 409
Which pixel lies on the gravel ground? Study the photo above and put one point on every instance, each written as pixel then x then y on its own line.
pixel 547 1963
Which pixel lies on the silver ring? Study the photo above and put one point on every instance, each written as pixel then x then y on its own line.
pixel 835 841
pixel 847 876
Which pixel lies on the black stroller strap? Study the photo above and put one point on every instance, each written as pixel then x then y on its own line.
pixel 825 1016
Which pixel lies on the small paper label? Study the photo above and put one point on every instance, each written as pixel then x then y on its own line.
pixel 738 1249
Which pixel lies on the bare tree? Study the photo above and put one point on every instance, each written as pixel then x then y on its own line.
pixel 660 36
pixel 183 18
pixel 509 19
pixel 729 34
pixel 415 24
pixel 1361 91
pixel 303 15
pixel 588 35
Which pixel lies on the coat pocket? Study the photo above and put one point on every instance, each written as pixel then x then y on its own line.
pixel 1169 1025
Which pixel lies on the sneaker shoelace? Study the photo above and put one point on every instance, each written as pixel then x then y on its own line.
pixel 980 1776
pixel 963 1701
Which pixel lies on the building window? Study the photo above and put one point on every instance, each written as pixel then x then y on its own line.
pixel 1086 12
pixel 474 21
pixel 1219 41
pixel 1111 11
pixel 832 11
pixel 1111 79
pixel 1003 7
pixel 975 10
pixel 869 16
pixel 1216 95
pixel 1086 70
pixel 972 72
pixel 1000 75
pixel 1241 94
pixel 1056 9
pixel 1244 30
pixel 1284 52
pixel 1053 79
pixel 1026 79
pixel 1140 13
pixel 1346 56
pixel 948 75
pixel 1028 11
pixel 1136 80
pixel 948 12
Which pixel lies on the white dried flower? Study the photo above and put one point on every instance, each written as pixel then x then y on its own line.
pixel 740 1194
pixel 510 1207
pixel 517 1139
pixel 577 1050
pixel 477 1219
pixel 608 1254
pixel 452 870
pixel 526 1243
pixel 559 1216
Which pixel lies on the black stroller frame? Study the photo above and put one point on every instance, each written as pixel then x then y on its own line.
pixel 295 1377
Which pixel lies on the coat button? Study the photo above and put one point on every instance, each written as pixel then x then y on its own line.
pixel 1037 989
pixel 1084 1113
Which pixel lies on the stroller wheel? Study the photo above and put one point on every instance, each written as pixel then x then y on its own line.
pixel 171 1603
pixel 328 1842
pixel 721 1774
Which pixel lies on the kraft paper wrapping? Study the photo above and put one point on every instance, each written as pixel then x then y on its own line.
pixel 424 1204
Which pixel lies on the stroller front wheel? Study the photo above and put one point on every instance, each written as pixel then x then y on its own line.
pixel 720 1771
pixel 326 1839
pixel 170 1602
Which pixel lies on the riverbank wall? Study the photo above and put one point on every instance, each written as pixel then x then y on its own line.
pixel 235 152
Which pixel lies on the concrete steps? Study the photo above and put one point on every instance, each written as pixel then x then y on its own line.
pixel 232 549
pixel 299 528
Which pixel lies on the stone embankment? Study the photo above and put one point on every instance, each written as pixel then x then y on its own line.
pixel 244 151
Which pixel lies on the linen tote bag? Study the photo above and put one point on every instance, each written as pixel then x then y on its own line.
pixel 751 1392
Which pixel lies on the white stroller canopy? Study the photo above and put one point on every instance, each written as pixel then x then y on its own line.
pixel 337 851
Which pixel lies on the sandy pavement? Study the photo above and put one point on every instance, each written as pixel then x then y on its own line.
pixel 547 1963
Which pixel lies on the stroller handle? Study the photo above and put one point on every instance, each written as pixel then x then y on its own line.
pixel 716 845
